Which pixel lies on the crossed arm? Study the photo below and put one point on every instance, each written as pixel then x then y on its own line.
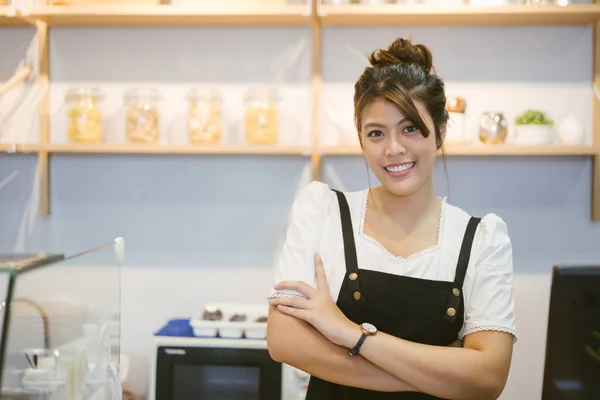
pixel 476 371
pixel 295 342
pixel 312 334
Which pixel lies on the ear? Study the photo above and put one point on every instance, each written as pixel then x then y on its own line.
pixel 442 129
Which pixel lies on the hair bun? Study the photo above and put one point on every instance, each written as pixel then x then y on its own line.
pixel 402 51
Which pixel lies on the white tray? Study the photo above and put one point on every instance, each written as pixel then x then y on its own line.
pixel 230 329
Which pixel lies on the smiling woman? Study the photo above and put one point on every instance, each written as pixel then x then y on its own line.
pixel 391 292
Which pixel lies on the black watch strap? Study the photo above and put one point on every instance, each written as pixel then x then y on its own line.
pixel 356 349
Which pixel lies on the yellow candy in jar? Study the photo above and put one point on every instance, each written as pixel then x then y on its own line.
pixel 262 119
pixel 85 123
pixel 143 116
pixel 261 124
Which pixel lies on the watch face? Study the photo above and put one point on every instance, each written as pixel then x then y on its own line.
pixel 369 328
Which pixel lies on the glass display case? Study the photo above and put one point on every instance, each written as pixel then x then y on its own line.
pixel 60 325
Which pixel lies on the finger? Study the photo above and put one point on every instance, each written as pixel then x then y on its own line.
pixel 301 287
pixel 291 301
pixel 294 312
pixel 320 274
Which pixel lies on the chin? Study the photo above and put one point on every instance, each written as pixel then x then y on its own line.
pixel 400 189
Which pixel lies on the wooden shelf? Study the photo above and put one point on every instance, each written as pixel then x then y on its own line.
pixel 464 15
pixel 172 15
pixel 18 148
pixel 6 19
pixel 314 16
pixel 492 150
pixel 299 15
pixel 134 148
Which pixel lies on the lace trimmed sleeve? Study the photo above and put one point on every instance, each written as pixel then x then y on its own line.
pixel 490 305
pixel 303 237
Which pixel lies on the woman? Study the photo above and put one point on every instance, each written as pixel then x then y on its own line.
pixel 375 287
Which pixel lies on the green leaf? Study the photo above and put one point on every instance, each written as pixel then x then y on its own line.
pixel 533 117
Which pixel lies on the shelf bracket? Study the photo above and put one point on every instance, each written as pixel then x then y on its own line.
pixel 317 81
pixel 596 188
pixel 596 123
pixel 44 117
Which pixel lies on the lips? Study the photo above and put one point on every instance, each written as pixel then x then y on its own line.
pixel 398 168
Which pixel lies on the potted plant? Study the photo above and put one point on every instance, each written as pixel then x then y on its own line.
pixel 533 127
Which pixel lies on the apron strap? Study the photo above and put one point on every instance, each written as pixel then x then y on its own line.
pixel 461 269
pixel 352 277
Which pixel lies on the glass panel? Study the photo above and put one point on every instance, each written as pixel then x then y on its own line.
pixel 63 328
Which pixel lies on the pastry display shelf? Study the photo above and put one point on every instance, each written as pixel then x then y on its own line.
pixel 453 149
pixel 463 15
pixel 143 148
pixel 172 15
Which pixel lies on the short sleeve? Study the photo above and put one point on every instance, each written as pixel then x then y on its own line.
pixel 303 237
pixel 490 305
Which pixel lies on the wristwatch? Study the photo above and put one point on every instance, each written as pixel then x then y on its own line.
pixel 367 330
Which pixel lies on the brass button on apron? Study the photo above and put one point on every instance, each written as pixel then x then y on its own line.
pixel 353 276
pixel 356 295
pixel 456 292
pixel 451 312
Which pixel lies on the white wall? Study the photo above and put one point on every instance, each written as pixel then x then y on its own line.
pixel 205 228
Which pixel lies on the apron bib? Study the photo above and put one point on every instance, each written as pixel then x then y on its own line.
pixel 418 310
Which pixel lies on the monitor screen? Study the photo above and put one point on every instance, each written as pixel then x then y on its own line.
pixel 572 364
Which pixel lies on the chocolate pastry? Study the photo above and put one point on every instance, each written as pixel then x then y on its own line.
pixel 212 313
pixel 238 318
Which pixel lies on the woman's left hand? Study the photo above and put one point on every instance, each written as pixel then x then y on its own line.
pixel 318 308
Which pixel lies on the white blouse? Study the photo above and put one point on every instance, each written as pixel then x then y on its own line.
pixel 316 227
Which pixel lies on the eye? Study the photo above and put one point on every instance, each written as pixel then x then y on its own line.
pixel 410 129
pixel 375 133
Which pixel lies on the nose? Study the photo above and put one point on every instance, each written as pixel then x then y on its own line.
pixel 394 147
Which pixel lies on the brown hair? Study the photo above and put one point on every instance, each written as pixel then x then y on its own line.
pixel 400 74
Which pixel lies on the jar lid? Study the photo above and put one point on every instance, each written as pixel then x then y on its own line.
pixel 198 93
pixel 76 92
pixel 262 93
pixel 143 93
pixel 456 104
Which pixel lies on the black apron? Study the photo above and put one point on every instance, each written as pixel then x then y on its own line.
pixel 419 310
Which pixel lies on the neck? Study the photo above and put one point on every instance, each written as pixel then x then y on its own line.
pixel 407 209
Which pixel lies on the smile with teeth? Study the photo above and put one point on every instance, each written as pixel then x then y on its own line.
pixel 400 167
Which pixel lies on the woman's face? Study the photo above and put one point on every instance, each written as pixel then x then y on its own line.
pixel 395 150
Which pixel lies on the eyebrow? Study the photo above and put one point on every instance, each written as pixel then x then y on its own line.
pixel 378 125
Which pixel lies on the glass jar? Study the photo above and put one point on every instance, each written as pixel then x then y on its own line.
pixel 204 115
pixel 262 119
pixel 373 2
pixel 142 115
pixel 84 115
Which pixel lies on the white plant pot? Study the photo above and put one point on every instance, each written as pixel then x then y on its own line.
pixel 534 134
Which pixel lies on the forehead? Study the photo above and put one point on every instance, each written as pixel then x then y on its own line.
pixel 382 111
